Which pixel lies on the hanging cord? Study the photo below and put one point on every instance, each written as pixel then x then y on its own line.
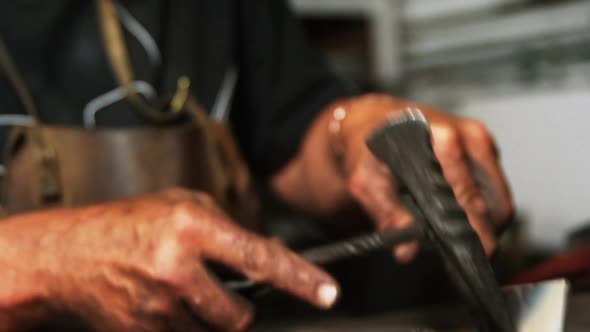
pixel 111 97
pixel 140 33
pixel 50 189
pixel 119 58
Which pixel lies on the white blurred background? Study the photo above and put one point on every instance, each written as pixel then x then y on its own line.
pixel 523 67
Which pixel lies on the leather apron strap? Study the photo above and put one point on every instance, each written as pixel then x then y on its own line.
pixel 169 109
pixel 50 189
pixel 227 177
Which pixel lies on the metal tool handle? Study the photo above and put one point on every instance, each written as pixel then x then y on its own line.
pixel 354 247
pixel 361 245
pixel 404 145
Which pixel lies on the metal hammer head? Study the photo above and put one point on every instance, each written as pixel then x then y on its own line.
pixel 404 145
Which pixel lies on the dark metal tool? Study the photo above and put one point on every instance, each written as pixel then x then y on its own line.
pixel 356 246
pixel 404 145
pixel 361 245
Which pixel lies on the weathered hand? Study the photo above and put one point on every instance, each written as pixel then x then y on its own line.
pixel 137 265
pixel 464 148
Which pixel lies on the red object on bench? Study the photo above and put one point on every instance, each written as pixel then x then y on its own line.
pixel 573 264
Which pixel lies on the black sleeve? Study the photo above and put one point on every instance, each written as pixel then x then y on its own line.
pixel 283 84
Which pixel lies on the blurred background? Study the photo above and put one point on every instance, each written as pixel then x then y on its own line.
pixel 521 66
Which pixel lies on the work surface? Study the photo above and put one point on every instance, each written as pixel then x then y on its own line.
pixel 436 318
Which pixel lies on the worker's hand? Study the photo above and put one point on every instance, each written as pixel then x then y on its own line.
pixel 464 148
pixel 138 265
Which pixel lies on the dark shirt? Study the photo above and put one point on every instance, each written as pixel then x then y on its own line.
pixel 283 83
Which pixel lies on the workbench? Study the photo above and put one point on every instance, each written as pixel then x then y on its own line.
pixel 434 318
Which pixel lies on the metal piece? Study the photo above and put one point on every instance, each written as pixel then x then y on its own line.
pixel 404 145
pixel 361 245
pixel 221 108
pixel 538 307
pixel 180 97
pixel 354 247
pixel 111 97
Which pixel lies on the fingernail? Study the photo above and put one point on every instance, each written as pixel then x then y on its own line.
pixel 327 294
pixel 405 252
pixel 242 324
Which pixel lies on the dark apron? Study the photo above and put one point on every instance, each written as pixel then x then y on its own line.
pixel 51 166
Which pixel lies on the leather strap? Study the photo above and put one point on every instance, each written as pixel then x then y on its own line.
pixel 180 104
pixel 114 41
pixel 50 188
